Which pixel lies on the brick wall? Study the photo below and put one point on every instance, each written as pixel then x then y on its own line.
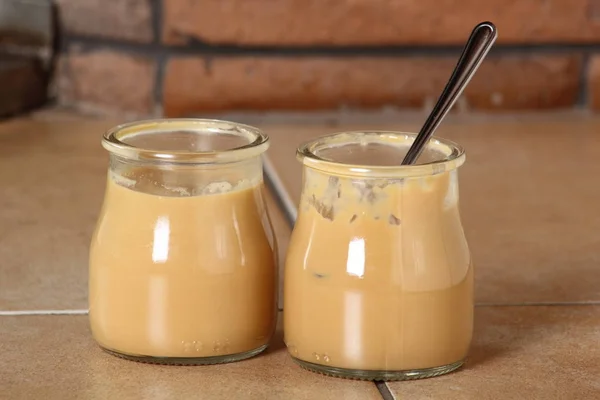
pixel 180 57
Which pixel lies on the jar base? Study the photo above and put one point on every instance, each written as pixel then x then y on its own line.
pixel 228 358
pixel 379 375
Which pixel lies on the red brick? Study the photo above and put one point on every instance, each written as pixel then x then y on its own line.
pixel 593 82
pixel 107 81
pixel 23 82
pixel 510 83
pixel 123 19
pixel 526 82
pixel 377 22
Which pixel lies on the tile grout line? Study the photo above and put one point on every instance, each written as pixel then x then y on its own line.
pixel 280 192
pixel 384 390
pixel 42 312
pixel 541 304
pixel 198 47
pixel 6 313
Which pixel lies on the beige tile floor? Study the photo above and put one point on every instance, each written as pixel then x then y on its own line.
pixel 529 206
pixel 522 352
pixel 529 213
pixel 54 357
pixel 52 182
pixel 52 172
pixel 529 201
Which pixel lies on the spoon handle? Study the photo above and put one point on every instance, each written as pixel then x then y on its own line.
pixel 480 42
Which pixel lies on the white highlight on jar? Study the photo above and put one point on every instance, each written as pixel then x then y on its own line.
pixel 157 318
pixel 353 325
pixel 451 198
pixel 162 233
pixel 355 265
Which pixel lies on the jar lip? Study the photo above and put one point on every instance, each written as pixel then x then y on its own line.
pixel 112 141
pixel 307 154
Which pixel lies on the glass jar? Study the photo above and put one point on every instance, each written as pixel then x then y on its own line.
pixel 183 259
pixel 378 275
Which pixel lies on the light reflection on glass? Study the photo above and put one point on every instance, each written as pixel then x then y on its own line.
pixel 359 170
pixel 238 235
pixel 353 325
pixel 158 310
pixel 309 245
pixel 221 236
pixel 355 264
pixel 162 233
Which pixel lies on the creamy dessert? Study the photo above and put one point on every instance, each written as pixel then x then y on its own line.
pixel 183 274
pixel 378 274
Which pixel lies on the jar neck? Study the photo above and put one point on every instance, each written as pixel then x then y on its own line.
pixel 311 175
pixel 180 180
pixel 330 194
pixel 378 155
pixel 185 141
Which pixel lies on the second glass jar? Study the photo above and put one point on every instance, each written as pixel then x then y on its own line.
pixel 378 275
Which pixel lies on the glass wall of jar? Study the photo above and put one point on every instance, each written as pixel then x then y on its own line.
pixel 183 259
pixel 378 275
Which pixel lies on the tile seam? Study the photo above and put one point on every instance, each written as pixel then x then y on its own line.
pixel 541 303
pixel 280 192
pixel 13 313
pixel 385 391
pixel 6 313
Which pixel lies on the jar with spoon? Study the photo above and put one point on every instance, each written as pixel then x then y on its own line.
pixel 378 275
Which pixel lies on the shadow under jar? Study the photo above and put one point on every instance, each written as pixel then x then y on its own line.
pixel 378 275
pixel 183 259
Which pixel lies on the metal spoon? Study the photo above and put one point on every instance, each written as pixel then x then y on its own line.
pixel 480 42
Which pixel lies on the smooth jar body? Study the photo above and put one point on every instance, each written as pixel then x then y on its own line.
pixel 183 263
pixel 378 277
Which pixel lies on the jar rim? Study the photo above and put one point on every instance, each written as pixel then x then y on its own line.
pixel 113 141
pixel 307 155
